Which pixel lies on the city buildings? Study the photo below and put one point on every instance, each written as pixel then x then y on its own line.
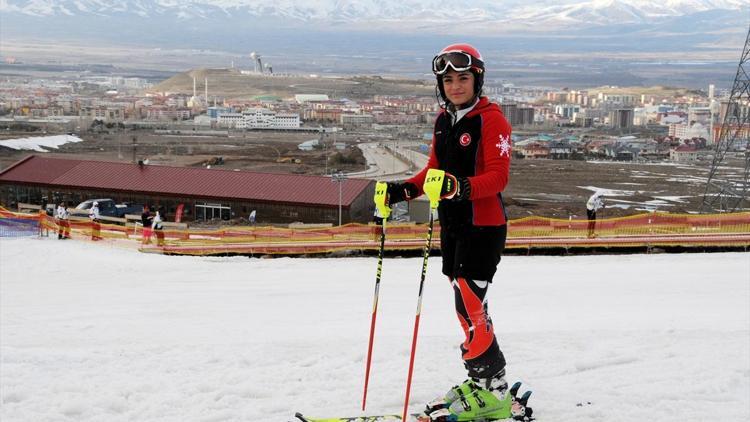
pixel 105 101
pixel 621 118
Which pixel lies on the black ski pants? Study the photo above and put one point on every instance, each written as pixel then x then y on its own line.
pixel 470 261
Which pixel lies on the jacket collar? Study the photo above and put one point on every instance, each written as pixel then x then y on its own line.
pixel 482 106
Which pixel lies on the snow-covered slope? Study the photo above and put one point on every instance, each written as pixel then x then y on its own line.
pixel 91 332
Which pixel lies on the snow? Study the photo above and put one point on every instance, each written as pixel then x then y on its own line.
pixel 543 11
pixel 39 143
pixel 95 332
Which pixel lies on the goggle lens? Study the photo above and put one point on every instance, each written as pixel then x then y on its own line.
pixel 457 60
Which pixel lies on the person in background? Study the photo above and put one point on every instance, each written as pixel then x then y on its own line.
pixel 158 227
pixel 471 142
pixel 63 224
pixel 96 227
pixel 146 220
pixel 594 204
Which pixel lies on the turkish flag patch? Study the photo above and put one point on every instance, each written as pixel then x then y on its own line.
pixel 464 140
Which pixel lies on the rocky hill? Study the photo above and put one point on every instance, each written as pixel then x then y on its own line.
pixel 231 84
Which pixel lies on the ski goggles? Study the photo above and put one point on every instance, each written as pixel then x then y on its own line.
pixel 457 60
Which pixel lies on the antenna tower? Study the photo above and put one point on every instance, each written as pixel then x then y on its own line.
pixel 726 188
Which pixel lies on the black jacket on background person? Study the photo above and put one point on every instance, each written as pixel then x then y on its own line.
pixel 146 219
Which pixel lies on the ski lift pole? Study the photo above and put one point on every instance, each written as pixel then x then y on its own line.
pixel 432 187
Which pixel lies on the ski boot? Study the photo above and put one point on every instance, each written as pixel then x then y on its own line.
pixel 496 384
pixel 485 405
pixel 457 391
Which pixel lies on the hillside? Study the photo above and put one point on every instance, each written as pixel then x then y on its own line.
pixel 231 84
pixel 658 91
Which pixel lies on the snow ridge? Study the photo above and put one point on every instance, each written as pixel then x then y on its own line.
pixel 547 12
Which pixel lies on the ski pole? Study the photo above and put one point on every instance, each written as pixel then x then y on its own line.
pixel 381 189
pixel 432 186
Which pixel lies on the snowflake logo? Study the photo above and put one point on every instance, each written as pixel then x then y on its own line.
pixel 504 145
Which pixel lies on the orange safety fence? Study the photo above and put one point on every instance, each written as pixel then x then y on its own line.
pixel 18 224
pixel 643 230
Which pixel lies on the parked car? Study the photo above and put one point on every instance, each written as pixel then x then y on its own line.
pixel 108 207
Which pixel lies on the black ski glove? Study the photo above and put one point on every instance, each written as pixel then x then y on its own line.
pixel 401 191
pixel 455 188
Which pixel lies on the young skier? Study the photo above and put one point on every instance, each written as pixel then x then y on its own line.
pixel 471 143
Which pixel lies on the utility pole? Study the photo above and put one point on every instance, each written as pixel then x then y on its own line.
pixel 725 190
pixel 325 149
pixel 339 178
pixel 135 147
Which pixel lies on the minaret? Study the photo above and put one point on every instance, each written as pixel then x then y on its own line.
pixel 206 92
pixel 194 87
pixel 712 107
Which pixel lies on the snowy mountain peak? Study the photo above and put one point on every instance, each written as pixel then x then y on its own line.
pixel 601 11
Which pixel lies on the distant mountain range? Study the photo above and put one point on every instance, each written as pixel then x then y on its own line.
pixel 394 36
pixel 408 16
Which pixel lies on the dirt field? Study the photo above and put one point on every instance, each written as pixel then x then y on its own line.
pixel 560 188
pixel 553 188
pixel 232 84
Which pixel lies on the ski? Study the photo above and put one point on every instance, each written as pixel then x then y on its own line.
pixel 439 414
pixel 415 417
pixel 371 418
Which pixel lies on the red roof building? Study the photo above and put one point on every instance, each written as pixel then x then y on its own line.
pixel 277 198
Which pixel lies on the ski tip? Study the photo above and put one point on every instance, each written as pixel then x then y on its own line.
pixel 299 416
pixel 514 389
pixel 525 398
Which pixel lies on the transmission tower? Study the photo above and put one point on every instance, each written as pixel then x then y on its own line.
pixel 726 190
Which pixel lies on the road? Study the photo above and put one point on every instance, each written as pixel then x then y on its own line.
pixel 382 164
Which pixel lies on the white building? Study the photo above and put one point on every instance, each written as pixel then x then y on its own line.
pixel 699 115
pixel 356 119
pixel 202 120
pixel 567 110
pixel 258 118
pixel 286 121
pixel 262 118
pixel 642 116
pixel 684 131
pixel 683 154
pixel 231 120
pixel 622 99
pixel 303 98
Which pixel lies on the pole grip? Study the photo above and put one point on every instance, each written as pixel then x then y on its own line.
pixel 381 196
pixel 433 186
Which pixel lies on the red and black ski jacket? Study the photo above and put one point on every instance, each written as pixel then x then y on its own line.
pixel 478 147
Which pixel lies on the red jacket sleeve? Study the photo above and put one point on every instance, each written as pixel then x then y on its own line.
pixel 492 177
